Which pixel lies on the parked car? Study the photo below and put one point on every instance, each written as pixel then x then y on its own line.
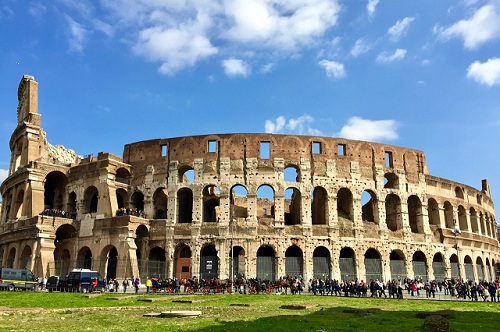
pixel 56 283
pixel 13 279
pixel 81 280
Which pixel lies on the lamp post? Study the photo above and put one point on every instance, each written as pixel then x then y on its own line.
pixel 231 254
pixel 456 232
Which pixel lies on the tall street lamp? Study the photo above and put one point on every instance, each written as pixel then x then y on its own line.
pixel 456 232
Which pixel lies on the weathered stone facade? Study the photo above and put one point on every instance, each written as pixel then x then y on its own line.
pixel 269 205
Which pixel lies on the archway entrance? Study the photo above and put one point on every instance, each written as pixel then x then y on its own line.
pixel 183 263
pixel 293 261
pixel 209 262
pixel 266 263
pixel 237 262
pixel 321 263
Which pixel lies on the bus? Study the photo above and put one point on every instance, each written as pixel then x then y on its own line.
pixel 12 279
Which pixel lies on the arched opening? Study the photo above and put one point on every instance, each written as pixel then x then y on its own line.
pixel 237 262
pixel 292 207
pixel 393 212
pixel 156 262
pixel 438 267
pixel 63 242
pixel 122 202
pixel 344 204
pixel 266 263
pixel 459 193
pixel 183 262
pixel 319 206
pixel 462 219
pixel 111 262
pixel 90 200
pixel 391 181
pixel 239 202
pixel 398 265
pixel 448 215
pixel 488 271
pixel 368 206
pixel 469 268
pixel 455 271
pixel 11 259
pixel 415 214
pixel 160 200
pixel 480 270
pixel 185 206
pixel 293 261
pixel 433 211
pixel 25 258
pixel 137 204
pixel 373 265
pixel 84 258
pixel 123 176
pixel 54 190
pixel 211 203
pixel 71 206
pixel 419 263
pixel 321 263
pixel 18 204
pixel 186 174
pixel 265 204
pixel 347 264
pixel 141 242
pixel 209 262
pixel 291 173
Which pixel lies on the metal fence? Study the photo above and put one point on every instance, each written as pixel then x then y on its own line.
pixel 266 267
pixel 321 267
pixel 293 266
pixel 347 268
pixel 373 269
pixel 420 270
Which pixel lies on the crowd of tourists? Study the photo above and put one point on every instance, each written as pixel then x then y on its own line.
pixel 58 213
pixel 130 212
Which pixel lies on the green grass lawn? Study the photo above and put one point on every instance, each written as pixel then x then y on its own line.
pixel 28 311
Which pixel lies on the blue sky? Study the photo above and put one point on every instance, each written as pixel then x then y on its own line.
pixel 420 74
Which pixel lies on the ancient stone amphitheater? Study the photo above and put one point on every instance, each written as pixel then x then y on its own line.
pixel 258 205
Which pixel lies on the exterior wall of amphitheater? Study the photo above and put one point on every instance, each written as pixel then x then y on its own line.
pixel 262 205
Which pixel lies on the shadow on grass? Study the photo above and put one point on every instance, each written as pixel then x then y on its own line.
pixel 355 319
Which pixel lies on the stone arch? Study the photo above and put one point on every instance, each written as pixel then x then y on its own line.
pixel 347 264
pixel 63 242
pixel 84 258
pixel 25 258
pixel 321 263
pixel 137 203
pixel 455 267
pixel 473 220
pixel 71 205
pixel 344 204
pixel 294 261
pixel 266 263
pixel 419 262
pixel 373 265
pixel 462 219
pixel 469 268
pixel 488 270
pixel 415 215
pixel 438 267
pixel 265 202
pixel 123 176
pixel 239 202
pixel 156 262
pixel 19 204
pixel 186 174
pixel 55 190
pixel 237 262
pixel 185 206
pixel 391 181
pixel 397 264
pixel 90 200
pixel 109 260
pixel 182 262
pixel 291 173
pixel 211 203
pixel 319 206
pixel 141 242
pixel 448 215
pixel 293 206
pixel 393 212
pixel 160 203
pixel 209 262
pixel 481 275
pixel 433 212
pixel 11 259
pixel 122 200
pixel 459 193
pixel 369 208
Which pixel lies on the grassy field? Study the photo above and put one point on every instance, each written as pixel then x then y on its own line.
pixel 27 311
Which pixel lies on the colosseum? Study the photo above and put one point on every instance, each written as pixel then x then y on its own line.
pixel 258 205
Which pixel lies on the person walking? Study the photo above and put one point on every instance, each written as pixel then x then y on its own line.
pixel 149 283
pixel 124 285
pixel 137 282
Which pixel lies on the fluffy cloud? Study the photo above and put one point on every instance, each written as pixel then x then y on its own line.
pixel 400 29
pixel 385 57
pixel 483 26
pixel 236 67
pixel 77 35
pixel 487 73
pixel 333 69
pixel 371 6
pixel 300 125
pixel 369 130
pixel 360 47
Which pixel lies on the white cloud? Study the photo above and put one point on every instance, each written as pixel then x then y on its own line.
pixel 369 130
pixel 483 26
pixel 77 35
pixel 176 48
pixel 360 47
pixel 236 67
pixel 333 69
pixel 371 7
pixel 37 10
pixel 385 57
pixel 400 29
pixel 300 126
pixel 3 174
pixel 267 68
pixel 487 73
